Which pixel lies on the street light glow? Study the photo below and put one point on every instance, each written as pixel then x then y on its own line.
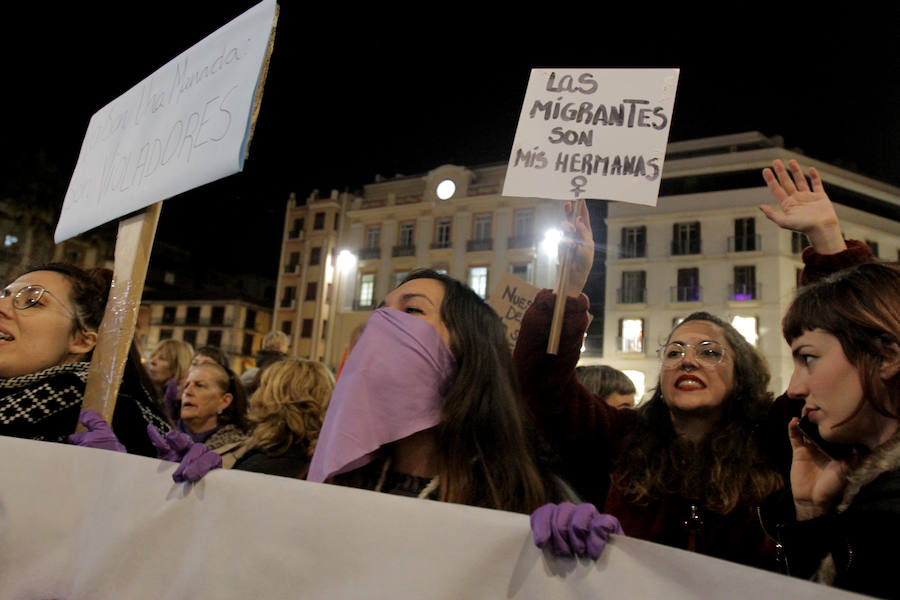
pixel 346 260
pixel 550 245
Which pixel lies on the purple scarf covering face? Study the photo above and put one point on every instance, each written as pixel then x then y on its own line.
pixel 390 388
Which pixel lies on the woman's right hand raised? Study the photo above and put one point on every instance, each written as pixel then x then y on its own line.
pixel 805 210
pixel 817 481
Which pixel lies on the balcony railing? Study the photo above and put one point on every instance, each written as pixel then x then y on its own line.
pixel 685 293
pixel 630 345
pixel 681 248
pixel 207 322
pixel 368 253
pixel 522 241
pixel 744 292
pixel 288 304
pixel 479 245
pixel 440 245
pixel 360 305
pixel 632 251
pixel 296 234
pixel 403 251
pixel 744 243
pixel 631 295
pixel 292 269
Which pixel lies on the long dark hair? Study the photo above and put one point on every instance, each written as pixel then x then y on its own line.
pixel 860 306
pixel 483 438
pixel 728 466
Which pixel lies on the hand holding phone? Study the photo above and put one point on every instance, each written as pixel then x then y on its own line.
pixel 832 450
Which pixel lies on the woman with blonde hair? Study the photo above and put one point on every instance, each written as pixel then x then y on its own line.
pixel 286 414
pixel 167 368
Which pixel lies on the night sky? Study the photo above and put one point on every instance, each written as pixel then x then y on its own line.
pixel 352 93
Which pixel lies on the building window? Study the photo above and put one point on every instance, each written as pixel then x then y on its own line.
pixel 631 335
pixel 747 327
pixel 287 300
pixel 478 280
pixel 297 229
pixel 287 327
pixel 366 295
pixel 523 271
pixel 373 236
pixel 324 328
pixel 217 315
pixel 292 263
pixel 744 236
pixel 319 220
pixel 190 336
pixel 524 223
pixel 337 221
pixel 407 235
pixel 687 288
pixel 247 344
pixel 482 227
pixel 873 246
pixel 634 242
pixel 799 241
pixel 193 315
pixel 745 284
pixel 686 238
pixel 168 316
pixel 214 338
pixel 634 287
pixel 315 256
pixel 306 331
pixel 311 288
pixel 165 334
pixel 442 233
pixel 250 319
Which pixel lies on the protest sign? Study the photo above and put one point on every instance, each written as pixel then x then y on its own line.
pixel 185 125
pixel 85 524
pixel 592 133
pixel 510 299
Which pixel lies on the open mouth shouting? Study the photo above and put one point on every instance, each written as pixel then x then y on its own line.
pixel 688 382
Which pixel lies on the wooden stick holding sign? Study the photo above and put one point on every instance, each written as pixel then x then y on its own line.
pixel 559 306
pixel 186 125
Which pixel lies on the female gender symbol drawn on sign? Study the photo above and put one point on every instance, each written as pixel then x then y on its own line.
pixel 578 183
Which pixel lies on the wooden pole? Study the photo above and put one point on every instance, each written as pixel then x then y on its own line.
pixel 559 305
pixel 133 246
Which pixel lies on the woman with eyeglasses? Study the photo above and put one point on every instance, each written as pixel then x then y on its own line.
pixel 49 317
pixel 691 465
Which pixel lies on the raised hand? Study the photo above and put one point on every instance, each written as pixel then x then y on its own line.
pixel 817 482
pixel 805 210
pixel 582 236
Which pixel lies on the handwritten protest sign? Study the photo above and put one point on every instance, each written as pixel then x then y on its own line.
pixel 592 133
pixel 185 125
pixel 510 299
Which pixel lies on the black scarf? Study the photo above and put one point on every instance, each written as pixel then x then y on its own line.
pixel 43 405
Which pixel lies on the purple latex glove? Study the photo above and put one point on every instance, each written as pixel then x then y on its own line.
pixel 573 530
pixel 99 434
pixel 173 447
pixel 198 461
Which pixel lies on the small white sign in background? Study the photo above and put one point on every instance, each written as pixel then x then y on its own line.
pixel 593 133
pixel 185 125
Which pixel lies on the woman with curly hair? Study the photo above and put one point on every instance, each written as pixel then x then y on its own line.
pixel 286 415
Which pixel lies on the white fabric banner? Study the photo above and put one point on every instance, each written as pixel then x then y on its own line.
pixel 84 524
pixel 183 126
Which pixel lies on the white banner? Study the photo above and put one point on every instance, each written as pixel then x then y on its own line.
pixel 185 125
pixel 592 133
pixel 84 524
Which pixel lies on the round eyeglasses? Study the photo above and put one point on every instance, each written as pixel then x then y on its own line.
pixel 708 354
pixel 30 295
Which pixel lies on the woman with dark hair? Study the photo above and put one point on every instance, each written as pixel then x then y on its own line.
pixel 210 354
pixel 690 466
pixel 427 404
pixel 844 507
pixel 49 318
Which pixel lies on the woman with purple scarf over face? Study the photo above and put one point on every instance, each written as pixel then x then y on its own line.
pixel 427 404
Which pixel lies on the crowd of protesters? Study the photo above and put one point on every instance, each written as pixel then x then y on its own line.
pixel 430 403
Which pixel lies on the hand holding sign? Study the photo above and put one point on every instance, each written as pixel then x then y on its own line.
pixel 581 235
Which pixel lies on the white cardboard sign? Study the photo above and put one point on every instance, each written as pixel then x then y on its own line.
pixel 593 133
pixel 185 125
